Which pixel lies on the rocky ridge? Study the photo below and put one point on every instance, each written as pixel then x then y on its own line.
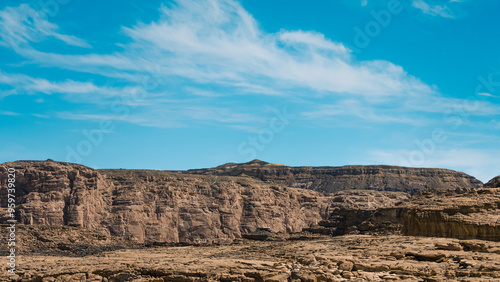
pixel 166 206
pixel 157 206
pixel 458 213
pixel 334 179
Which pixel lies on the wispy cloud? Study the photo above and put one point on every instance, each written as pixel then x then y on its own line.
pixel 434 10
pixel 24 84
pixel 217 44
pixel 23 24
pixel 8 113
pixel 350 108
pixel 175 115
pixel 487 95
pixel 218 41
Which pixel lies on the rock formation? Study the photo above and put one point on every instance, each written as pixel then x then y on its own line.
pixel 333 179
pixel 221 204
pixel 158 206
pixel 77 223
pixel 362 211
pixel 464 213
pixel 493 183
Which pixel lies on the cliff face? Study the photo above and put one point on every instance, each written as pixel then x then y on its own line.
pixel 173 207
pixel 462 213
pixel 333 179
pixel 156 205
pixel 367 211
pixel 51 193
pixel 207 206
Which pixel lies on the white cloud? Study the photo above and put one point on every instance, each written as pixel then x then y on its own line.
pixel 487 95
pixel 8 113
pixel 368 113
pixel 23 25
pixel 219 42
pixel 434 10
pixel 23 84
pixel 312 40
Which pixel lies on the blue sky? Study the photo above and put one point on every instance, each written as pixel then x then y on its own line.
pixel 189 84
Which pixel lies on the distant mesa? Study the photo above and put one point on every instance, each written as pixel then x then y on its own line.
pixel 333 179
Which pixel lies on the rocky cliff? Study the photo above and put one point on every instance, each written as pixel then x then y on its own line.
pixel 463 213
pixel 333 179
pixel 362 211
pixel 157 206
pixel 209 206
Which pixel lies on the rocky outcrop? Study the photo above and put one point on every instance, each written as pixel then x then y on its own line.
pixel 334 179
pixel 493 183
pixel 463 213
pixel 207 207
pixel 55 194
pixel 157 206
pixel 362 211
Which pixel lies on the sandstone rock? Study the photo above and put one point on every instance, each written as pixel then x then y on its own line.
pixel 157 206
pixel 210 207
pixel 333 179
pixel 362 211
pixel 463 213
pixel 493 183
pixel 450 246
pixel 264 261
pixel 346 266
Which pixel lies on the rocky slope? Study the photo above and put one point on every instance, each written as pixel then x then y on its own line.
pixel 362 211
pixel 493 183
pixel 162 206
pixel 463 213
pixel 157 206
pixel 333 179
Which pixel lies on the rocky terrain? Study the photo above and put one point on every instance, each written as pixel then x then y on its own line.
pixel 333 179
pixel 252 222
pixel 342 258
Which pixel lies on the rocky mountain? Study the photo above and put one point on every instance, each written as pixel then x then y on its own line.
pixel 333 179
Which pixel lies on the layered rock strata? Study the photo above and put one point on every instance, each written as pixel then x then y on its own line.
pixel 464 213
pixel 333 179
pixel 157 206
pixel 166 206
